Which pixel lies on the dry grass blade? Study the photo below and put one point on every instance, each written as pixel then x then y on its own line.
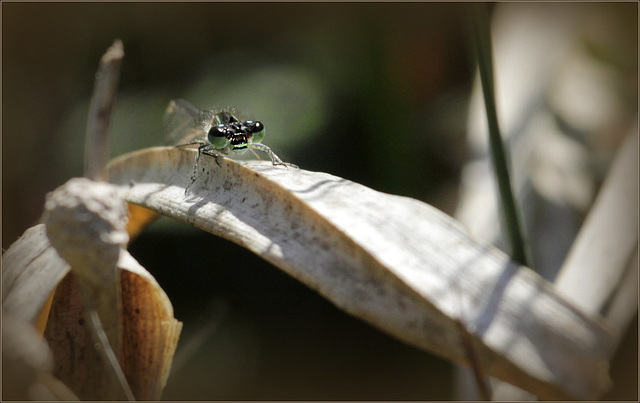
pixel 599 259
pixel 394 262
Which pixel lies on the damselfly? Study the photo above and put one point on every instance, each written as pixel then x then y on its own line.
pixel 216 132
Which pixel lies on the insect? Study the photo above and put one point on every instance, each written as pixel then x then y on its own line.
pixel 216 132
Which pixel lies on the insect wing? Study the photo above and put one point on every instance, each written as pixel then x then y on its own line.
pixel 185 123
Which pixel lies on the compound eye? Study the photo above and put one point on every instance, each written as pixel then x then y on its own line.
pixel 217 136
pixel 257 128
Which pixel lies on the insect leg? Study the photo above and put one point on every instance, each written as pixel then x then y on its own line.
pixel 201 149
pixel 255 153
pixel 275 160
pixel 216 153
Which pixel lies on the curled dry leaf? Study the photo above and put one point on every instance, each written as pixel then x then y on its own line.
pixel 151 332
pixel 150 335
pixel 85 223
pixel 33 270
pixel 394 262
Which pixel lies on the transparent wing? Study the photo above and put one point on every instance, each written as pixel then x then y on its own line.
pixel 185 123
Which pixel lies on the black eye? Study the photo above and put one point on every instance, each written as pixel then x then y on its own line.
pixel 257 127
pixel 217 136
pixel 218 131
pixel 257 130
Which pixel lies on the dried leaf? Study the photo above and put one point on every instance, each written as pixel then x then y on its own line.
pixel 150 336
pixel 151 332
pixel 86 223
pixel 394 262
pixel 32 269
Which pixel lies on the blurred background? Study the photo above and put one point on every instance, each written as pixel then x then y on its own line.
pixel 375 93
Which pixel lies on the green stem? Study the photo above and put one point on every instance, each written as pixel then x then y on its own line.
pixel 481 37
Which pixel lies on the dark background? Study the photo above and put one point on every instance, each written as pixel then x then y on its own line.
pixel 375 93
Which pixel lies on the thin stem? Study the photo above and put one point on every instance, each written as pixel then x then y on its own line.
pixel 106 352
pixel 96 148
pixel 481 37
